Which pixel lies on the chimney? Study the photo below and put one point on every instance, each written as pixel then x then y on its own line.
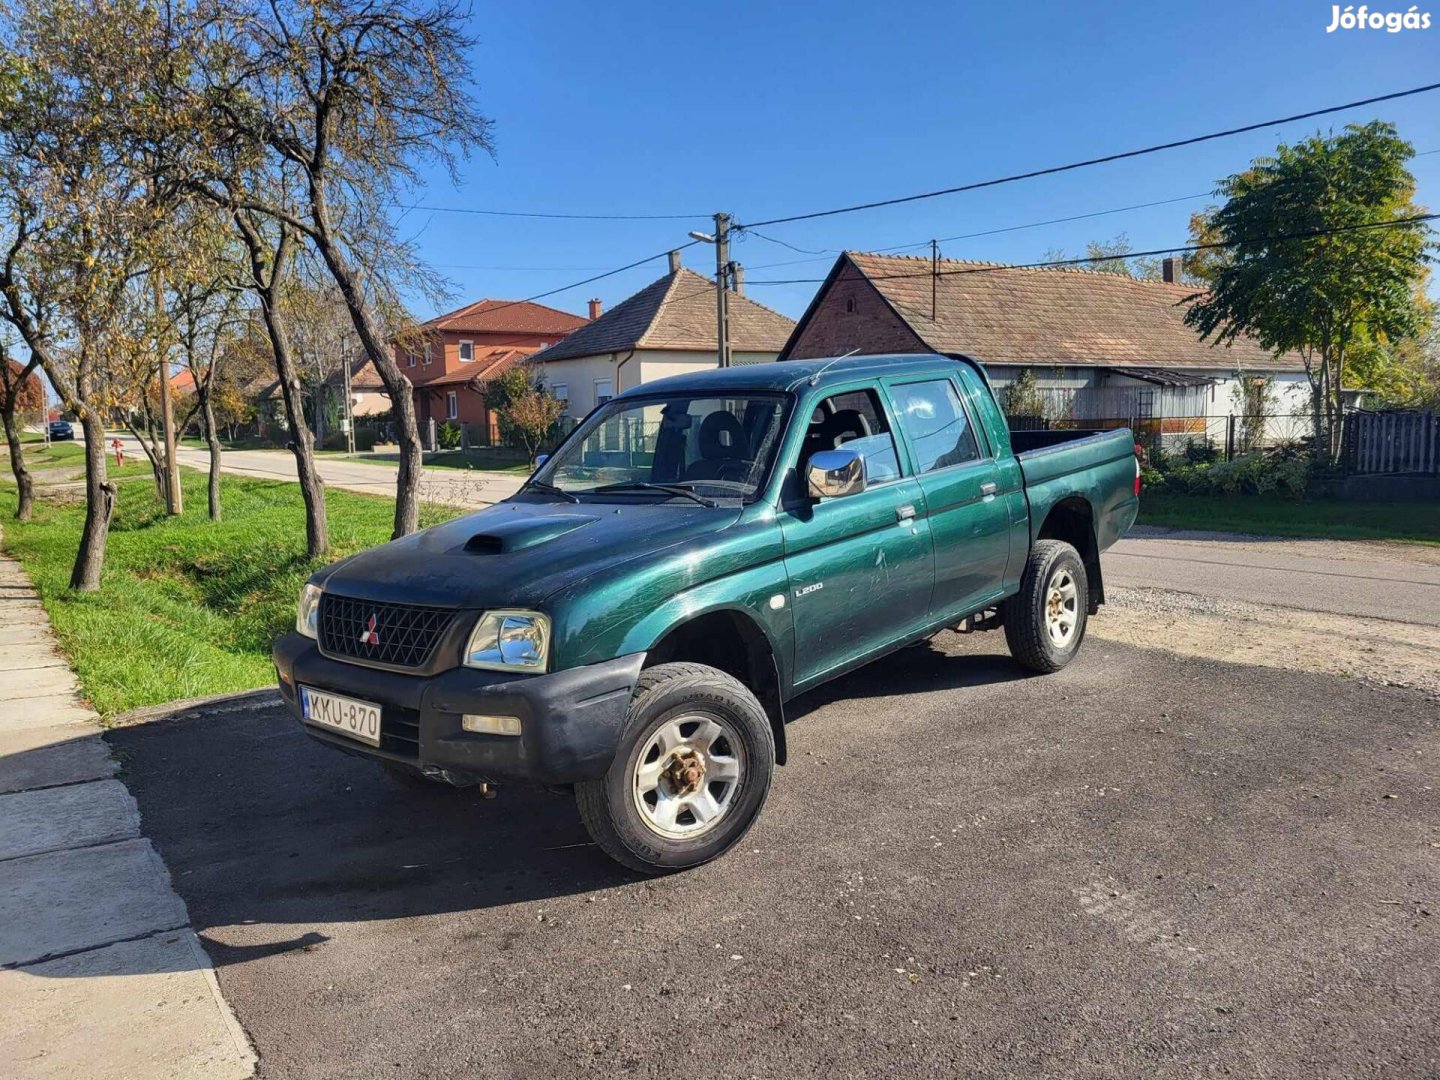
pixel 674 261
pixel 595 309
pixel 1168 270
pixel 737 279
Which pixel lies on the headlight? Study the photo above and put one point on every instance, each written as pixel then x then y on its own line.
pixel 509 641
pixel 307 615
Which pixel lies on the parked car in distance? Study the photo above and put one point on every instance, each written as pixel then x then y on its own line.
pixel 61 429
pixel 699 551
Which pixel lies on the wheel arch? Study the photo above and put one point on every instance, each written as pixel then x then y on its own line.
pixel 731 640
pixel 1072 520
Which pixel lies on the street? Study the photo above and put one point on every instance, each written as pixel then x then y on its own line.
pixel 962 870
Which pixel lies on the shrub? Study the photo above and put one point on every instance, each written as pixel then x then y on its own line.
pixel 448 436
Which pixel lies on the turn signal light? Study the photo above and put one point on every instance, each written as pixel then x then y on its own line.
pixel 491 725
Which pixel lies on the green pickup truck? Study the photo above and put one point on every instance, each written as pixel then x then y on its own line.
pixel 698 552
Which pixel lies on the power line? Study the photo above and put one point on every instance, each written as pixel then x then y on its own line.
pixel 588 280
pixel 1052 170
pixel 1003 229
pixel 559 217
pixel 1088 260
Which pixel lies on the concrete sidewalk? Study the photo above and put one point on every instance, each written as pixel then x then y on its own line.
pixel 101 975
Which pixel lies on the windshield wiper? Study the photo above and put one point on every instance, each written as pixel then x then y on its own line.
pixel 549 489
pixel 669 489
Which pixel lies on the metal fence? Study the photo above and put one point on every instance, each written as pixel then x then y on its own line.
pixel 1219 436
pixel 1397 443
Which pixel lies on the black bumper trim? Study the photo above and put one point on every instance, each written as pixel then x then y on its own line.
pixel 571 720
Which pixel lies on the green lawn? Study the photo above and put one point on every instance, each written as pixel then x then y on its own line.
pixel 475 462
pixel 1275 516
pixel 187 607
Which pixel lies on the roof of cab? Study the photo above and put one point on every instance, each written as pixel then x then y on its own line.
pixel 789 374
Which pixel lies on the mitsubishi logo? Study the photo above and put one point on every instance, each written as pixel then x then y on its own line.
pixel 368 636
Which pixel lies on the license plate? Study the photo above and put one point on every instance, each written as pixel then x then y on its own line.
pixel 357 719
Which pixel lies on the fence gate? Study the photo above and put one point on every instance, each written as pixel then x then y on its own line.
pixel 1393 442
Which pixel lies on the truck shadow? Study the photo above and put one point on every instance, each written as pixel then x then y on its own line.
pixel 262 827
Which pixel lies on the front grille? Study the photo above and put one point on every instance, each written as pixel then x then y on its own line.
pixel 395 635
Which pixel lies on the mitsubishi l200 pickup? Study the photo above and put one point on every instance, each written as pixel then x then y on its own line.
pixel 697 552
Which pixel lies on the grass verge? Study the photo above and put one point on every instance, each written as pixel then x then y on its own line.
pixel 188 607
pixel 1274 516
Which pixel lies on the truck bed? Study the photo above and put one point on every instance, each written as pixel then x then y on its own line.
pixel 1097 465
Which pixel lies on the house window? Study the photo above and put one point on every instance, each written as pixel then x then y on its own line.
pixel 427 352
pixel 850 305
pixel 409 359
pixel 604 391
pixel 562 395
pixel 467 351
pixel 452 405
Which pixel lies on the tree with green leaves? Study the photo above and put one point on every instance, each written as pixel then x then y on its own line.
pixel 526 408
pixel 1322 255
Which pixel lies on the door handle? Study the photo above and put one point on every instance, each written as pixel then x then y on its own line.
pixel 988 488
pixel 905 513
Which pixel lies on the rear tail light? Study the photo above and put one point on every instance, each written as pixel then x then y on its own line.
pixel 1137 476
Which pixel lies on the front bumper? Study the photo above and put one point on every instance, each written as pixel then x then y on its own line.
pixel 571 720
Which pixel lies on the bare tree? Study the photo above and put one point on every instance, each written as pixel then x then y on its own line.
pixel 348 99
pixel 208 319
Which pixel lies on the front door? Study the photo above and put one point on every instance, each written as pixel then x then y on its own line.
pixel 860 566
pixel 968 513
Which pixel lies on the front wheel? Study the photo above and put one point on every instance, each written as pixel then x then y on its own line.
pixel 1045 620
pixel 690 775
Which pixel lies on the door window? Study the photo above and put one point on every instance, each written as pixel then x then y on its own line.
pixel 452 404
pixel 856 422
pixel 936 423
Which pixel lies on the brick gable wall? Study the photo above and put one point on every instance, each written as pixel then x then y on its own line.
pixel 871 327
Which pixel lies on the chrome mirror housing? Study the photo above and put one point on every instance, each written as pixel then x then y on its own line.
pixel 540 459
pixel 832 474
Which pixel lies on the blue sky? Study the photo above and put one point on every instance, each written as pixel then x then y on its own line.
pixel 767 109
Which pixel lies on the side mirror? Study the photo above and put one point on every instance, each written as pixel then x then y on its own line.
pixel 540 459
pixel 832 474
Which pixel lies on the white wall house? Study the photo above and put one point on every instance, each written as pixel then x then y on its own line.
pixel 667 328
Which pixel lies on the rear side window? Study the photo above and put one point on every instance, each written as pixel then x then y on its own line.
pixel 936 423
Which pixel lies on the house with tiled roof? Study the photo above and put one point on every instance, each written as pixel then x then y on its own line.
pixel 667 328
pixel 1100 345
pixel 450 357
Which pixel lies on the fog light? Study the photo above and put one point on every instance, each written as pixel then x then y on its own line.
pixel 491 725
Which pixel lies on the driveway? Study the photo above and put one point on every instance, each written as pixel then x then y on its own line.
pixel 1146 865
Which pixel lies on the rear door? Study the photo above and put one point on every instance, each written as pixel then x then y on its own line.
pixel 961 485
pixel 860 566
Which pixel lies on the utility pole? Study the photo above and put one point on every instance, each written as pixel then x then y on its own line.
pixel 722 282
pixel 349 420
pixel 174 498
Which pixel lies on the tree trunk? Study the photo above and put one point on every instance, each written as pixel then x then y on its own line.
pixel 24 483
pixel 402 401
pixel 99 505
pixel 268 271
pixel 212 441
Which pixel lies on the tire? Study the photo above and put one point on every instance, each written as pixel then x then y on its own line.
pixel 1053 586
pixel 672 771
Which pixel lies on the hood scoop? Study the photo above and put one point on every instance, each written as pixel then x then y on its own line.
pixel 507 536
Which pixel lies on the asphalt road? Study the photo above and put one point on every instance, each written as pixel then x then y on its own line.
pixel 1142 866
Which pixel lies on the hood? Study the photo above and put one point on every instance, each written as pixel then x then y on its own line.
pixel 515 554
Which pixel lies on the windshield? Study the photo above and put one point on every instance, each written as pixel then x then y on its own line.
pixel 720 447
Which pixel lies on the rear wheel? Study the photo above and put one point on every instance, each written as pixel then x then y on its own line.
pixel 690 775
pixel 1045 621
